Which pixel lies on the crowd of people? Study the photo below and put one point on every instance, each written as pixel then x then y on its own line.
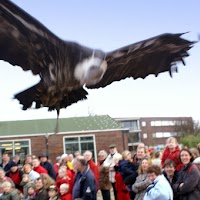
pixel 170 174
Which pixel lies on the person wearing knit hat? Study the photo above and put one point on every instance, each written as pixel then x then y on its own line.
pixel 31 191
pixel 15 174
pixel 13 164
pixel 31 184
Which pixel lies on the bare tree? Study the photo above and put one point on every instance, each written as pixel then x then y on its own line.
pixel 188 128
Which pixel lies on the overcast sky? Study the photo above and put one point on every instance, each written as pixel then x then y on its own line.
pixel 109 25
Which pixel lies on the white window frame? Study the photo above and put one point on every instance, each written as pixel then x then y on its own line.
pixel 13 141
pixel 79 136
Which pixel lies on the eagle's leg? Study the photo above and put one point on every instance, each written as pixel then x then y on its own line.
pixel 57 120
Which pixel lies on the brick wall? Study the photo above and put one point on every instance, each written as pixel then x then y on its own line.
pixel 55 142
pixel 150 140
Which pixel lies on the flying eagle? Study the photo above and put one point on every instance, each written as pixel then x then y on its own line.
pixel 66 68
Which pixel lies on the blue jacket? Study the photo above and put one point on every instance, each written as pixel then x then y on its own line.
pixel 84 185
pixel 159 190
pixel 126 168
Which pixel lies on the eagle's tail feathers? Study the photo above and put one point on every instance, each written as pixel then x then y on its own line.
pixel 27 97
pixel 71 97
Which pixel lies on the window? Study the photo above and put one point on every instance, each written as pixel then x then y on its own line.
pixel 13 147
pixel 144 123
pixel 133 124
pixel 164 134
pixel 162 123
pixel 144 135
pixel 80 143
pixel 159 135
pixel 133 137
pixel 178 123
pixel 156 123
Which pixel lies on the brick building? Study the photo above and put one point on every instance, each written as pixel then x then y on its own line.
pixel 155 130
pixel 152 131
pixel 85 133
pixel 79 133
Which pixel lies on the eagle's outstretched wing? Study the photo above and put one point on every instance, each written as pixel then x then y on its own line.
pixel 24 41
pixel 151 56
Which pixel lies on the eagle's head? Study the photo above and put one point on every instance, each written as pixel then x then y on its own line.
pixel 91 69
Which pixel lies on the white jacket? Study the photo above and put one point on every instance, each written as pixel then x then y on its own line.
pixel 110 162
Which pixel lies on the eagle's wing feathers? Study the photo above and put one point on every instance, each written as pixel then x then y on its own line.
pixel 151 56
pixel 25 41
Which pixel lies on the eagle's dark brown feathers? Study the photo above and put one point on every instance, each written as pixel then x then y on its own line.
pixel 152 56
pixel 65 67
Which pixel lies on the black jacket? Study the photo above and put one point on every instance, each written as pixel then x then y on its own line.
pixel 49 167
pixel 173 181
pixel 42 195
pixel 7 166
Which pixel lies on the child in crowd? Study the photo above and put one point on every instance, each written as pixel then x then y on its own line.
pixel 53 193
pixel 30 191
pixel 172 152
pixel 25 183
pixel 126 167
pixel 122 190
pixel 64 194
pixel 64 176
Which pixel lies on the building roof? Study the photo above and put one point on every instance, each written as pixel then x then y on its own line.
pixel 127 118
pixel 74 124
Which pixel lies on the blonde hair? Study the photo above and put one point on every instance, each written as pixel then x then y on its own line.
pixel 49 180
pixel 170 139
pixel 125 154
pixel 195 152
pixel 65 186
pixel 6 183
pixel 63 169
